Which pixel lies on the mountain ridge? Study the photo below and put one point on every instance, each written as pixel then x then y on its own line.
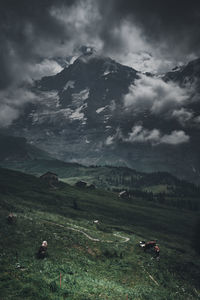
pixel 84 113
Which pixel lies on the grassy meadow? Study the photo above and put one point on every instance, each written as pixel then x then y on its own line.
pixel 92 261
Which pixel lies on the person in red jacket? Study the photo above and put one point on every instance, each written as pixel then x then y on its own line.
pixel 150 245
pixel 147 245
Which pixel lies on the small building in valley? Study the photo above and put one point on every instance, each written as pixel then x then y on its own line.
pixel 124 195
pixel 81 184
pixel 50 177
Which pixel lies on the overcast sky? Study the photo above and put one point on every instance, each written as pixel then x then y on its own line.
pixel 149 35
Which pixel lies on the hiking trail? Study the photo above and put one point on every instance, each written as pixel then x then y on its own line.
pixel 125 239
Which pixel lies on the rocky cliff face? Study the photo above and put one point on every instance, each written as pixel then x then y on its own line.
pixel 97 111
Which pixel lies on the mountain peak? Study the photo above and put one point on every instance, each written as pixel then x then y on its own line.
pixel 87 50
pixel 89 54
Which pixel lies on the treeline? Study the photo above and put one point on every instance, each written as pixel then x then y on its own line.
pixel 162 198
pixel 178 201
pixel 173 185
pixel 123 180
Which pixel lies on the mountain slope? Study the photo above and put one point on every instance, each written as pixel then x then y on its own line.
pixel 189 73
pixel 77 267
pixel 160 187
pixel 17 149
pixel 99 112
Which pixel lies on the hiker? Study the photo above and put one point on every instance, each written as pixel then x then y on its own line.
pixel 149 245
pixel 157 252
pixel 11 218
pixel 42 252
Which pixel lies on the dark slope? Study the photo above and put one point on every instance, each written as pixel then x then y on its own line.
pixel 17 149
pixel 189 73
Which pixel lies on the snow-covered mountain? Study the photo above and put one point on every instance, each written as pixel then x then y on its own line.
pixel 97 111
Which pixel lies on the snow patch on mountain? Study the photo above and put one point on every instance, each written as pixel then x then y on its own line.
pixel 106 118
pixel 49 116
pixel 78 114
pixel 73 58
pixel 79 98
pixel 69 84
pixel 109 140
pixel 50 99
pixel 106 73
pixel 49 111
pixel 99 110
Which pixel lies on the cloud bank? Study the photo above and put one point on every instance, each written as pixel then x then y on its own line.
pixel 155 95
pixel 148 35
pixel 139 134
pixel 12 103
pixel 160 98
pixel 155 137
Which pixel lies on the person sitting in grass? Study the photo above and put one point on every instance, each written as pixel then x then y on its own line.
pixel 11 219
pixel 42 252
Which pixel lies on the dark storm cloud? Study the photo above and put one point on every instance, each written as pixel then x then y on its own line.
pixel 34 30
pixel 24 25
pixel 151 35
pixel 29 36
pixel 176 23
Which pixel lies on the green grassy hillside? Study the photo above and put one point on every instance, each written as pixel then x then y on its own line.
pixel 89 261
pixel 17 154
pixel 159 187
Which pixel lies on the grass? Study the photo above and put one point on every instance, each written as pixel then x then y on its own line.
pixel 105 269
pixel 73 180
pixel 160 188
